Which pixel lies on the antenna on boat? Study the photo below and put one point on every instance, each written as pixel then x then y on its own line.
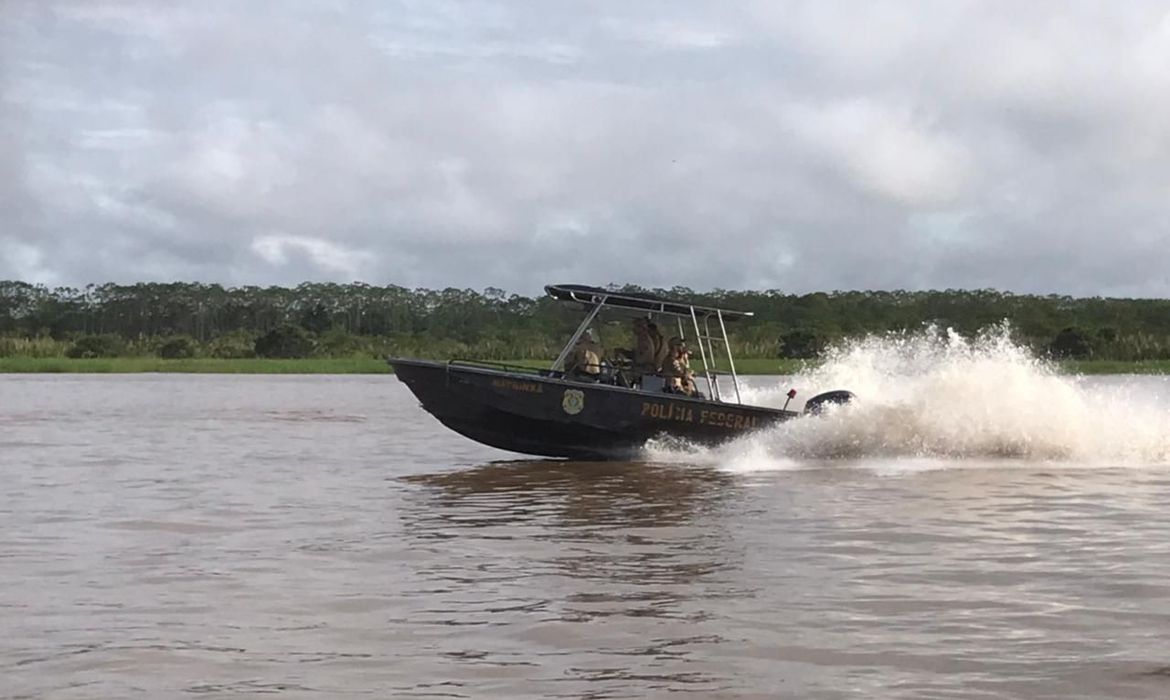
pixel 791 396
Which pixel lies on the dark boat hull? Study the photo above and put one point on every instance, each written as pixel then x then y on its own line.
pixel 553 417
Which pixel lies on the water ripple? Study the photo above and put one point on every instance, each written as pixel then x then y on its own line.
pixel 322 537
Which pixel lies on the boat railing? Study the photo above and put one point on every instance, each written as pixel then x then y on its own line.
pixel 714 359
pixel 506 367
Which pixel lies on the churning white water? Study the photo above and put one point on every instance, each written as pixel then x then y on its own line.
pixel 936 395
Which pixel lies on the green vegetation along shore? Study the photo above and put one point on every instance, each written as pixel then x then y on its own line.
pixel 132 365
pixel 345 328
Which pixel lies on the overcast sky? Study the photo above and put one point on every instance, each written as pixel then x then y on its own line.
pixel 1022 146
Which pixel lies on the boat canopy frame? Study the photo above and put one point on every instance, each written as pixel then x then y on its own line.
pixel 596 298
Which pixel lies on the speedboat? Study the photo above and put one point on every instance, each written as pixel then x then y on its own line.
pixel 612 413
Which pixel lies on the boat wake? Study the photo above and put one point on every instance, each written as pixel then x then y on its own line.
pixel 934 395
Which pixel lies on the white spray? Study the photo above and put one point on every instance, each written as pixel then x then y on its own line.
pixel 937 395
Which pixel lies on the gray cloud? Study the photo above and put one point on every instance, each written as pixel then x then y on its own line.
pixel 788 145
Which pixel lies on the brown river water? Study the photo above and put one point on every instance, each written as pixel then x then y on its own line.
pixel 209 536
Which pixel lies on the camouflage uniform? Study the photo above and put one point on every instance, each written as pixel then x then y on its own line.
pixel 677 369
pixel 585 358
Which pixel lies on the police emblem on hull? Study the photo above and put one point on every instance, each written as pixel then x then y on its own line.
pixel 573 401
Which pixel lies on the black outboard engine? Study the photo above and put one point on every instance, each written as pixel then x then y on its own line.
pixel 820 402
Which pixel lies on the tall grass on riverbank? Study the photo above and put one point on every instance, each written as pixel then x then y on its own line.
pixel 1115 367
pixel 30 348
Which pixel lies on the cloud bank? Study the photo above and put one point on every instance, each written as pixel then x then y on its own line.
pixel 790 145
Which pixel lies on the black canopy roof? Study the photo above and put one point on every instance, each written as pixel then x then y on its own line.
pixel 637 302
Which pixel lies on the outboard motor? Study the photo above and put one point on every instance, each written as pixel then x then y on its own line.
pixel 820 402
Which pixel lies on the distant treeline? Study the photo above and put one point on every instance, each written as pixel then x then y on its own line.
pixel 351 320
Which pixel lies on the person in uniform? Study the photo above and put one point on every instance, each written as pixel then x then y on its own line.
pixel 585 360
pixel 677 369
